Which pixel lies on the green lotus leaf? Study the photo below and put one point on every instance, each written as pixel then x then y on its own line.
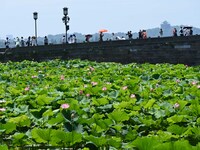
pixel 125 104
pixel 115 142
pixel 21 109
pixel 198 121
pixel 146 143
pixel 182 104
pixel 177 119
pixel 3 147
pixel 195 108
pixel 98 141
pixel 21 121
pixel 104 123
pixel 160 113
pixel 114 94
pixel 196 131
pixel 131 135
pixel 44 100
pixel 69 138
pixel 100 101
pixel 8 127
pixel 58 119
pixel 20 139
pixel 118 116
pixel 48 113
pixel 43 135
pixel 176 129
pixel 14 91
pixel 166 136
pixel 150 103
pixel 38 113
pixel 178 145
pixel 19 136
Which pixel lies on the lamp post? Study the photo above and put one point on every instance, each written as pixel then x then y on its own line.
pixel 65 20
pixel 35 17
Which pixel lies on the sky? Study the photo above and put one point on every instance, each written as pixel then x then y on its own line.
pixel 89 16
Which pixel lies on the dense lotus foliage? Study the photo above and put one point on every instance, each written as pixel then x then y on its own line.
pixel 88 105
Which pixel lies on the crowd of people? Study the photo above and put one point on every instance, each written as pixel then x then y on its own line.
pixel 32 41
pixel 142 34
pixel 184 31
pixel 21 42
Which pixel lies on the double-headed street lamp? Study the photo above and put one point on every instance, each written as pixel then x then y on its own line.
pixel 65 20
pixel 35 17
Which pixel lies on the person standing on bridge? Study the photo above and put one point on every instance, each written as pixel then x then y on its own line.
pixel 45 40
pixel 63 40
pixel 7 43
pixel 101 37
pixel 130 35
pixel 181 31
pixel 22 42
pixel 174 32
pixel 28 42
pixel 140 34
pixel 34 41
pixel 161 32
pixel 17 42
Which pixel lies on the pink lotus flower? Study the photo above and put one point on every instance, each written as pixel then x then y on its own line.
pixel 2 109
pixel 151 89
pixel 81 92
pixel 94 83
pixel 91 69
pixel 62 77
pixel 125 87
pixel 198 86
pixel 176 105
pixel 65 106
pixel 178 81
pixel 34 76
pixel 194 82
pixel 104 89
pixel 27 88
pixel 132 96
pixel 87 95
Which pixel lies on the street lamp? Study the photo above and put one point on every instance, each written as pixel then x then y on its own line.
pixel 65 20
pixel 35 17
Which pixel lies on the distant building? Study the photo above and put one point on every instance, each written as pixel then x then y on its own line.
pixel 167 28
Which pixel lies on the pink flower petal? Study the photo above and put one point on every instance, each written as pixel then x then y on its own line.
pixel 104 89
pixel 125 87
pixel 27 88
pixel 132 96
pixel 65 106
pixel 2 109
pixel 62 77
pixel 88 95
pixel 176 105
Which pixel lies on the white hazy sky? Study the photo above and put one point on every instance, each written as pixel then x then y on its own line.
pixel 88 16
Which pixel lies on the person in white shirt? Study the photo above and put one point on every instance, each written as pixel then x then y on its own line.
pixel 17 42
pixel 34 43
pixel 63 40
pixel 7 43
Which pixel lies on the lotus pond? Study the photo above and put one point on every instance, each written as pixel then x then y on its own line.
pixel 107 106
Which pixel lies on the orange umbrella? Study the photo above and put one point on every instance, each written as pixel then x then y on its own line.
pixel 103 30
